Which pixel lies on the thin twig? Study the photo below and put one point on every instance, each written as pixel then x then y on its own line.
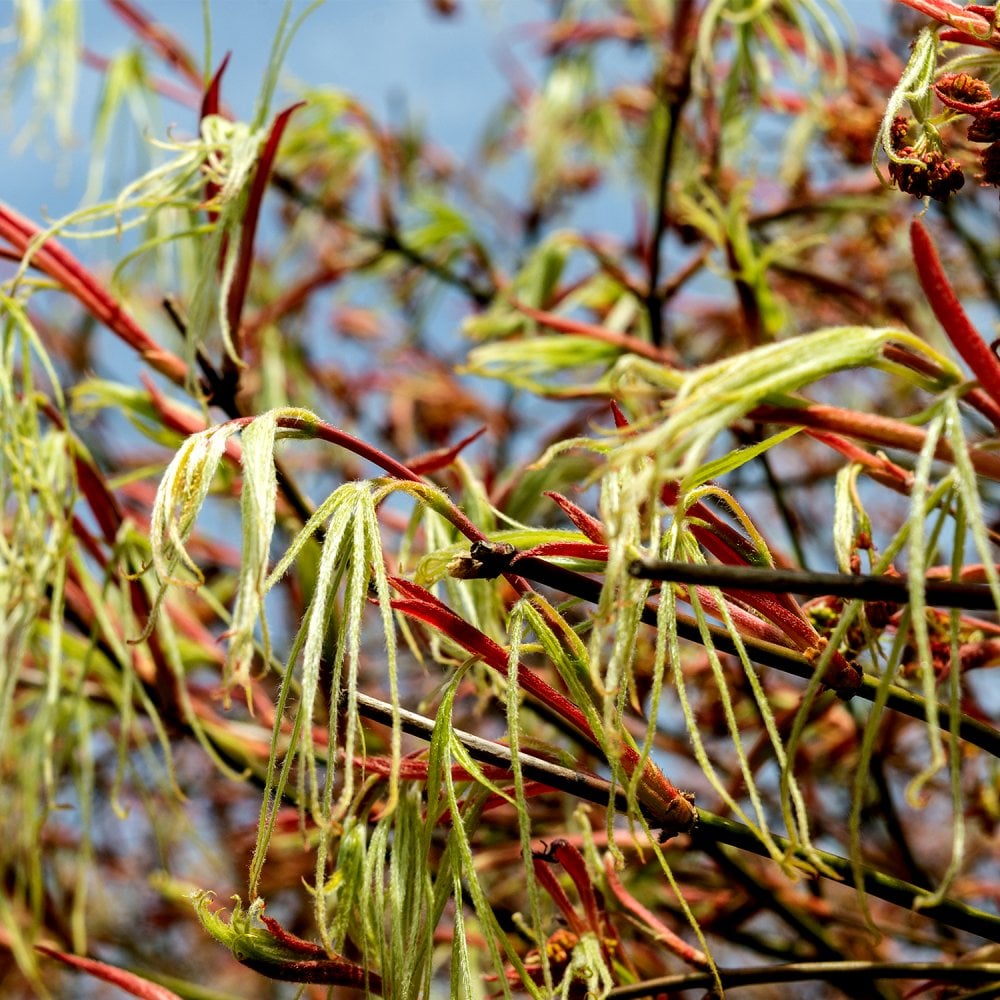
pixel 765 653
pixel 895 589
pixel 678 90
pixel 889 815
pixel 577 783
pixel 831 972
pixel 389 240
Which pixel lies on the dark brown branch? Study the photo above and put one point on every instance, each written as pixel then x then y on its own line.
pixel 842 973
pixel 765 653
pixel 895 589
pixel 677 90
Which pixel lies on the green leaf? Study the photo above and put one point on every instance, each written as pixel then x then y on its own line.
pixel 735 459
pixel 541 364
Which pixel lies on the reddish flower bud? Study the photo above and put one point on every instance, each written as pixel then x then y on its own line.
pixel 899 132
pixel 944 177
pixel 935 176
pixel 991 164
pixel 986 128
pixel 910 178
pixel 962 92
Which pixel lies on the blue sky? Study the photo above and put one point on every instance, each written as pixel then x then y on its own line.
pixel 395 55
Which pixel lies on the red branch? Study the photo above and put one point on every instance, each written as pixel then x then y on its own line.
pixel 127 981
pixel 52 258
pixel 970 345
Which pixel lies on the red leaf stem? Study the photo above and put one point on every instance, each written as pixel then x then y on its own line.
pixel 880 468
pixel 572 861
pixel 586 523
pixel 874 429
pixel 563 324
pixel 108 514
pixel 964 38
pixel 127 981
pixel 291 941
pixel 732 548
pixel 177 418
pixel 548 881
pixel 210 105
pixel 52 258
pixel 621 421
pixel 793 624
pixel 433 461
pixel 747 623
pixel 529 789
pixel 572 550
pixel 976 398
pixel 970 345
pixel 100 499
pixel 441 618
pixel 720 538
pixel 969 24
pixel 680 947
pixel 418 768
pixel 328 432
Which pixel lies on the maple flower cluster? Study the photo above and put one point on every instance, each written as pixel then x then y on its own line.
pixel 922 172
pixel 973 97
pixel 923 169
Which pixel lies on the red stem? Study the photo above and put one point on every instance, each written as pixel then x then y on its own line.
pixel 874 429
pixel 241 279
pixel 551 885
pixel 61 266
pixel 123 979
pixel 327 432
pixel 572 861
pixel 211 103
pixel 970 345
